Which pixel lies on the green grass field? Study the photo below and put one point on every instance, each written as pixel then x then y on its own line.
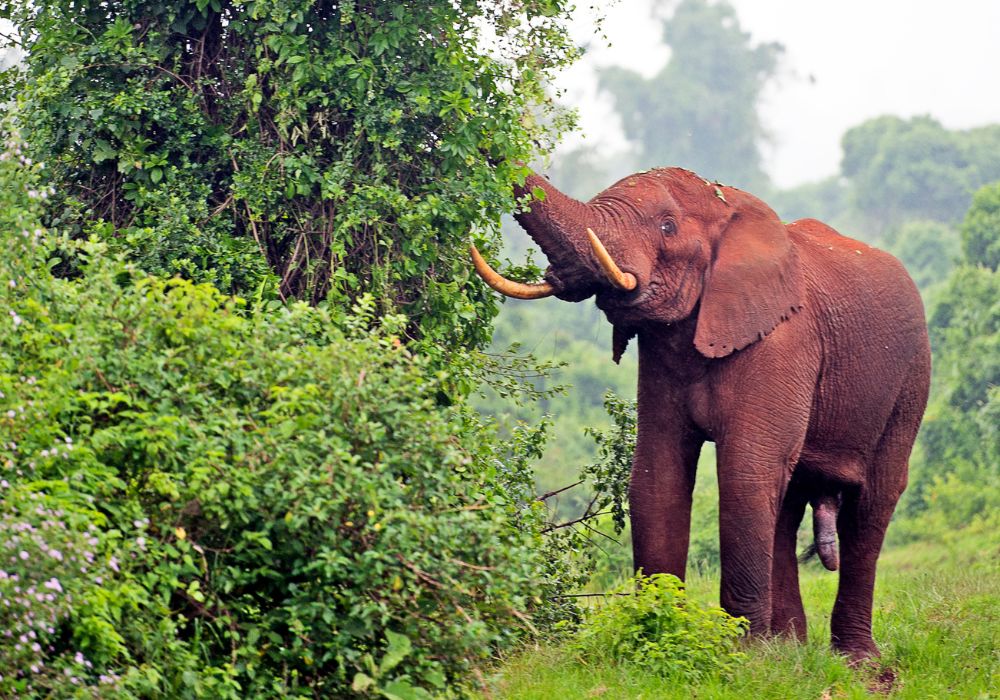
pixel 937 621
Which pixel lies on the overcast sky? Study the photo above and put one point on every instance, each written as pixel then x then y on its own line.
pixel 844 62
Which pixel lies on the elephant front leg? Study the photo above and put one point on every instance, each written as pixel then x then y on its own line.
pixel 662 482
pixel 750 493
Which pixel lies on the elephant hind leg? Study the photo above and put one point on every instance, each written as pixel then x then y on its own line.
pixel 864 517
pixel 862 524
pixel 788 617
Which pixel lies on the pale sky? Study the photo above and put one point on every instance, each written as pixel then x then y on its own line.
pixel 844 62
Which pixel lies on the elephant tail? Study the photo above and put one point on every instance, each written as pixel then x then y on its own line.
pixel 825 508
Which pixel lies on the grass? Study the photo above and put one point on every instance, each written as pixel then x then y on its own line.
pixel 937 621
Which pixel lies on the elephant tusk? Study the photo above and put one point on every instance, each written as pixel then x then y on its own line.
pixel 625 281
pixel 509 288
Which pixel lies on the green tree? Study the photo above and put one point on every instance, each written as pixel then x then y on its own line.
pixel 900 170
pixel 700 110
pixel 929 250
pixel 292 148
pixel 981 228
pixel 957 470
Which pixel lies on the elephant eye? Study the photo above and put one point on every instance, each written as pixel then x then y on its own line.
pixel 669 227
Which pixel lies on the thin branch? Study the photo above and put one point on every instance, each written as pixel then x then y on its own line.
pixel 569 523
pixel 588 595
pixel 602 534
pixel 550 494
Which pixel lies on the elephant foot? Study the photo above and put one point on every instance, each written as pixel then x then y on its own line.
pixel 858 652
pixel 789 628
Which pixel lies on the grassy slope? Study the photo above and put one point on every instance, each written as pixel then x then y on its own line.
pixel 937 621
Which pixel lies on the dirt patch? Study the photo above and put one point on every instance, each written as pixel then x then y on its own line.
pixel 881 679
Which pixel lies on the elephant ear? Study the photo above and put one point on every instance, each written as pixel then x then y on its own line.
pixel 752 285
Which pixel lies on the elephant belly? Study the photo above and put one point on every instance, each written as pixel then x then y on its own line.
pixel 857 391
pixel 869 319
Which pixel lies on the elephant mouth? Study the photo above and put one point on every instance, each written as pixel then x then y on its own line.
pixel 623 283
pixel 611 299
pixel 614 275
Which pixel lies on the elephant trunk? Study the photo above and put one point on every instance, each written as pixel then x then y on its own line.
pixel 558 224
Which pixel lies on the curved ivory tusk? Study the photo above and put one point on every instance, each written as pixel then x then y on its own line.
pixel 517 290
pixel 621 280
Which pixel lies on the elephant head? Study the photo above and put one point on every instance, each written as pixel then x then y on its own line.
pixel 661 246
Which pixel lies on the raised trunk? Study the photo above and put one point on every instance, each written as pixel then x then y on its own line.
pixel 558 224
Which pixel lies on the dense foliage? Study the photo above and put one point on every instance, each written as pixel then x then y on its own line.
pixel 928 249
pixel 293 149
pixel 650 623
pixel 894 171
pixel 981 228
pixel 957 471
pixel 216 500
pixel 902 169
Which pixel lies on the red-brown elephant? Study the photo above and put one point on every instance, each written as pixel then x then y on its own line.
pixel 801 353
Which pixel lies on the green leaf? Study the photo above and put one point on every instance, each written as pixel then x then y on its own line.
pixel 103 151
pixel 402 690
pixel 361 682
pixel 398 648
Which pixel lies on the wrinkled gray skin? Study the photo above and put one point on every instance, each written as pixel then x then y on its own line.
pixel 801 353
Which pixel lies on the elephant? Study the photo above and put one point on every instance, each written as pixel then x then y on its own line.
pixel 801 353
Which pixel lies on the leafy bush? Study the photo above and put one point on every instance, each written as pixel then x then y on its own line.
pixel 610 473
pixel 981 228
pixel 955 475
pixel 651 623
pixel 51 572
pixel 284 502
pixel 291 148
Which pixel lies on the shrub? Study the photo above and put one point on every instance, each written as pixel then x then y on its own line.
pixel 52 574
pixel 292 148
pixel 651 623
pixel 285 503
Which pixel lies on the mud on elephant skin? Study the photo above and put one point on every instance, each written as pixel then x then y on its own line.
pixel 801 353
